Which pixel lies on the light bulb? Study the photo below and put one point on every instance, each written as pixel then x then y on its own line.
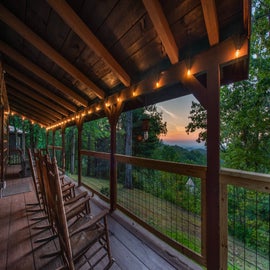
pixel 145 135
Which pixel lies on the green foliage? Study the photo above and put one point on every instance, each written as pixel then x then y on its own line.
pixel 156 128
pixel 35 136
pixel 249 216
pixel 105 191
pixel 198 117
pixel 179 154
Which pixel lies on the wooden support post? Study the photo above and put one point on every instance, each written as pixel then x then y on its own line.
pixel 113 112
pixel 213 167
pixel 2 165
pixel 63 130
pixel 79 125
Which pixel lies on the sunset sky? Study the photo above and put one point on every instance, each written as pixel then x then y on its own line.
pixel 175 113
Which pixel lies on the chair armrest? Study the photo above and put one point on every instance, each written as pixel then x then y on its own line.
pixel 76 198
pixel 91 222
pixel 76 205
pixel 68 187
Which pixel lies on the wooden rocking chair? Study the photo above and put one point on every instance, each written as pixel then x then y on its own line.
pixel 76 206
pixel 88 234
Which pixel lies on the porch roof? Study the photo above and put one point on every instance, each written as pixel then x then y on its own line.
pixel 66 58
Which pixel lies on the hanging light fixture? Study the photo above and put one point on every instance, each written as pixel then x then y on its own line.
pixel 145 128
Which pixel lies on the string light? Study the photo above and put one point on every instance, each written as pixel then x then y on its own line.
pixel 237 53
pixel 188 72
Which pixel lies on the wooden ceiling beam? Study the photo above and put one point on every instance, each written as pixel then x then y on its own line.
pixel 31 116
pixel 13 22
pixel 221 54
pixel 35 96
pixel 33 103
pixel 162 27
pixel 4 48
pixel 211 21
pixel 80 28
pixel 27 112
pixel 37 87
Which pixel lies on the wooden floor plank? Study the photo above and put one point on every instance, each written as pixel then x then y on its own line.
pixel 139 249
pixel 124 258
pixel 40 249
pixel 19 244
pixel 4 229
pixel 18 237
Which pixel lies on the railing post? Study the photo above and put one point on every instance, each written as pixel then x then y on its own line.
pixel 224 226
pixel 79 125
pixel 63 130
pixel 113 112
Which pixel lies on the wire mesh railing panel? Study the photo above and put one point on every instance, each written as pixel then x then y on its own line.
pixel 96 174
pixel 58 156
pixel 249 229
pixel 168 202
pixel 15 157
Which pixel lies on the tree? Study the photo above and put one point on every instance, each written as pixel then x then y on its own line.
pixel 245 106
pixel 146 148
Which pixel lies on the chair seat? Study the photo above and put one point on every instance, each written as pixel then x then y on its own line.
pixel 81 242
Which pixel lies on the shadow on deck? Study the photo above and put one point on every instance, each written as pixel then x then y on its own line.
pixel 18 249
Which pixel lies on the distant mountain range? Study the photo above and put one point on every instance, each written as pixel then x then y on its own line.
pixel 190 145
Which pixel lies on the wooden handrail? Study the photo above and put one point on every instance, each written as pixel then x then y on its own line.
pixel 250 180
pixel 167 166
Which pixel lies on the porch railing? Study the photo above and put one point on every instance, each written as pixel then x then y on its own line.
pixel 245 224
pixel 169 200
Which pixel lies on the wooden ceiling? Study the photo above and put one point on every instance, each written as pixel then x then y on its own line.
pixel 66 57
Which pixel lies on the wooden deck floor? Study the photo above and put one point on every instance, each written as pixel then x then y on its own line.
pixel 18 249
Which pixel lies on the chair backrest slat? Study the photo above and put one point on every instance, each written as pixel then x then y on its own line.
pixel 57 210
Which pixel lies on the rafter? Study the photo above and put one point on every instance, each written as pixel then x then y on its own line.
pixel 211 20
pixel 162 27
pixel 20 108
pixel 30 112
pixel 79 27
pixel 4 48
pixel 33 103
pixel 13 22
pixel 37 87
pixel 35 96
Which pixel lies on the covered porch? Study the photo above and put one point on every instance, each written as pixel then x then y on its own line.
pixel 132 246
pixel 64 64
